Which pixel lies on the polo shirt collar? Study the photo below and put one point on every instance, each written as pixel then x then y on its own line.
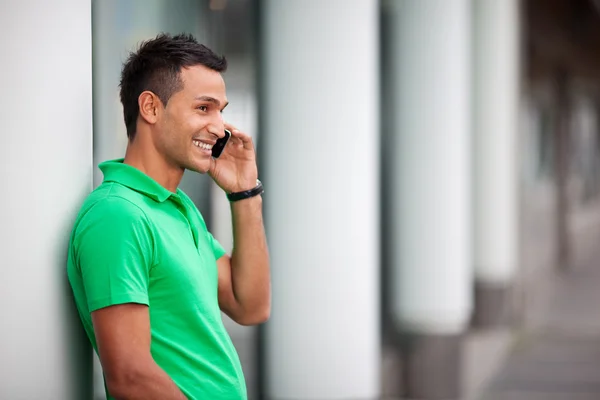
pixel 119 172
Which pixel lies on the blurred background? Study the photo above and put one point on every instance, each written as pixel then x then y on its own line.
pixel 432 182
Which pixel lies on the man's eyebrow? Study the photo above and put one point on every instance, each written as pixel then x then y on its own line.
pixel 211 100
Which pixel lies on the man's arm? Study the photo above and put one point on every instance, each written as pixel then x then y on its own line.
pixel 123 338
pixel 244 278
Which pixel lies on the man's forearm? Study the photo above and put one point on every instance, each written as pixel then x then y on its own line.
pixel 250 272
pixel 149 383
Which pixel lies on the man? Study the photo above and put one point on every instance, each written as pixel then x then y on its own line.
pixel 149 280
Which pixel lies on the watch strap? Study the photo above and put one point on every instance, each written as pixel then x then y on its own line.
pixel 255 191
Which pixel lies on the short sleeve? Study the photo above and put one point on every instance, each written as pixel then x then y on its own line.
pixel 114 252
pixel 216 247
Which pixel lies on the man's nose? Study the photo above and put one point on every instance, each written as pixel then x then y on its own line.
pixel 217 130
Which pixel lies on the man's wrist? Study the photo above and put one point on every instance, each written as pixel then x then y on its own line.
pixel 246 194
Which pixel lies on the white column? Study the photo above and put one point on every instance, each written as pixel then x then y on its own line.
pixel 320 166
pixel 46 171
pixel 429 78
pixel 496 72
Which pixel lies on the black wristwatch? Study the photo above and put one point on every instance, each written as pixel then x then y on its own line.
pixel 236 196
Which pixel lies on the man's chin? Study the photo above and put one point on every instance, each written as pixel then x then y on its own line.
pixel 201 167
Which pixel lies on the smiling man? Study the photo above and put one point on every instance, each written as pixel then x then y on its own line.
pixel 149 280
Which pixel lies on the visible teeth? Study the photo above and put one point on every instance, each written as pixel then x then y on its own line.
pixel 204 146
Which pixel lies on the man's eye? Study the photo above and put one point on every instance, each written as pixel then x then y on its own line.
pixel 203 108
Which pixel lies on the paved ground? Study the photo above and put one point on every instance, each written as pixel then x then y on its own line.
pixel 560 358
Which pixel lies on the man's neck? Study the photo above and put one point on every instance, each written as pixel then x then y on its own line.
pixel 150 162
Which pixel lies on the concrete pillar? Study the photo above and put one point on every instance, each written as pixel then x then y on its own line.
pixel 429 149
pixel 496 88
pixel 319 161
pixel 46 159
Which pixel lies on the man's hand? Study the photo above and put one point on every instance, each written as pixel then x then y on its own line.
pixel 235 170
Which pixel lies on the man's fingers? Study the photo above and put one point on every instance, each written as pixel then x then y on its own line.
pixel 246 140
pixel 238 137
pixel 236 141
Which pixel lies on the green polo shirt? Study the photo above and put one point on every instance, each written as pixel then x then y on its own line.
pixel 136 242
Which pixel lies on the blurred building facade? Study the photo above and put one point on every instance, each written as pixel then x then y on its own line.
pixel 426 162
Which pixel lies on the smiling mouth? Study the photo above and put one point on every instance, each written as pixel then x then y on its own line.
pixel 202 145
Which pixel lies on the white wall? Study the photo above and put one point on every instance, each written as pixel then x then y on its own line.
pixel 46 171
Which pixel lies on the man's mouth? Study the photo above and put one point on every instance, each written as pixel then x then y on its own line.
pixel 202 145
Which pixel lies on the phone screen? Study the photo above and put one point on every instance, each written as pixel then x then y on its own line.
pixel 220 145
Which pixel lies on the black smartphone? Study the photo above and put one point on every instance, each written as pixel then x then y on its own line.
pixel 220 145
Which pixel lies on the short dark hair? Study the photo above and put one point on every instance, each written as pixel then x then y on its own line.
pixel 156 66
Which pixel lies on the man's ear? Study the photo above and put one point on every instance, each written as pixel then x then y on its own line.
pixel 149 105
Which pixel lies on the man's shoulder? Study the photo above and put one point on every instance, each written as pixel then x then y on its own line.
pixel 107 217
pixel 110 205
pixel 113 199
